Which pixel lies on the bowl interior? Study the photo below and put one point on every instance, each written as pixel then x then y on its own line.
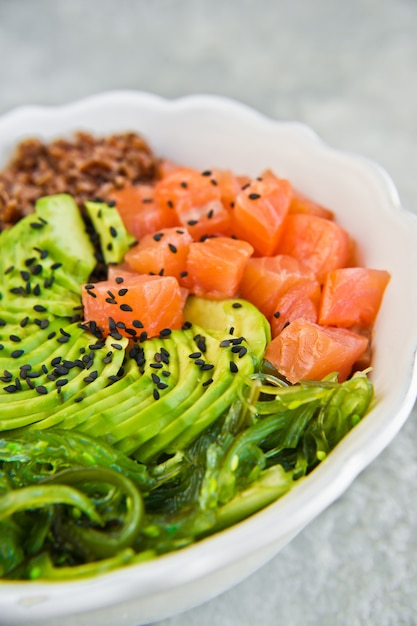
pixel 203 132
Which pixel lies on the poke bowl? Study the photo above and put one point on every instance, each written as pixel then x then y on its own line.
pixel 206 133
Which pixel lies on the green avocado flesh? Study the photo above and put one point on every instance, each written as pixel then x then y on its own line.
pixel 143 398
pixel 115 450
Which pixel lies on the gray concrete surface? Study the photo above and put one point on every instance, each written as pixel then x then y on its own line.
pixel 348 69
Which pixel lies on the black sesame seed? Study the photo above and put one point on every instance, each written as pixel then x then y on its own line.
pixel 19 291
pixel 24 322
pixel 37 290
pixel 9 269
pixel 17 354
pixel 36 269
pixel 111 300
pixel 41 389
pixel 52 335
pixel 195 355
pixel 162 385
pixel 166 373
pixel 186 326
pixel 155 378
pixel 277 314
pixel 15 338
pixel 79 399
pixel 10 388
pixel 225 343
pixel 116 335
pixel 172 248
pixel 254 196
pixel 233 367
pixel 30 261
pixel 97 346
pixel 36 225
pixel 125 307
pixel 183 274
pixel 116 346
pixel 147 200
pixel 192 222
pixel 158 236
pixel 137 324
pixel 206 366
pixel 119 280
pixel 63 339
pixel 183 184
pixel 91 377
pixel 39 308
pixel 156 394
pixel 210 214
pixel 206 173
pixel 242 352
pixel 25 275
pixel 165 332
pixel 109 246
pixel 2 322
pixel 56 266
pixel 122 292
pixel 62 382
pixel 236 305
pixel 201 344
pixel 285 325
pixel 199 362
pixel 143 336
pixel 156 366
pixel 207 382
pixel 113 231
pixel 56 361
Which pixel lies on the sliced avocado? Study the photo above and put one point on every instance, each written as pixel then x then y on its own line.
pixel 237 316
pixel 43 384
pixel 115 240
pixel 45 258
pixel 67 238
pixel 190 384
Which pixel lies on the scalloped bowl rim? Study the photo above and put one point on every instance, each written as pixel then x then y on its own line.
pixel 270 529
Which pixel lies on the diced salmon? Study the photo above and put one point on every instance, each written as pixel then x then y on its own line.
pixel 308 351
pixel 164 253
pixel 137 304
pixel 301 300
pixel 215 266
pixel 140 213
pixel 265 279
pixel 352 296
pixel 259 212
pixel 320 244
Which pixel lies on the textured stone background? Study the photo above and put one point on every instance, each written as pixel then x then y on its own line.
pixel 350 71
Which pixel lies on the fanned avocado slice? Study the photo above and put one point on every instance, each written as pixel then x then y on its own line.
pixel 238 316
pixel 45 258
pixel 115 240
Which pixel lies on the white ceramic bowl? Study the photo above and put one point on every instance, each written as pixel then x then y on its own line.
pixel 205 131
